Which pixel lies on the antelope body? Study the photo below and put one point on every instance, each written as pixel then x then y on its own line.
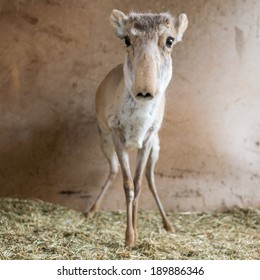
pixel 130 105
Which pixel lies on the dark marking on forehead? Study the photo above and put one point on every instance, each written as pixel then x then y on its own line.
pixel 149 22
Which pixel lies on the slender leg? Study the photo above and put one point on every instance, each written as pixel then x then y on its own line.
pixel 128 188
pixel 110 153
pixel 142 157
pixel 153 157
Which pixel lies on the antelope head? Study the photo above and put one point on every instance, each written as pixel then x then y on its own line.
pixel 149 40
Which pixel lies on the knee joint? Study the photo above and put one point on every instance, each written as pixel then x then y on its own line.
pixel 129 190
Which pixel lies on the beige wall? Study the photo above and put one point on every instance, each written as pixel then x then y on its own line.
pixel 54 53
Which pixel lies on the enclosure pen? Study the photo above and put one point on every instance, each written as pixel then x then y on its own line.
pixel 32 229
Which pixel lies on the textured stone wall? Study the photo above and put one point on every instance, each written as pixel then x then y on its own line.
pixel 54 53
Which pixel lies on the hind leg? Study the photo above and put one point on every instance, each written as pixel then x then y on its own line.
pixel 109 151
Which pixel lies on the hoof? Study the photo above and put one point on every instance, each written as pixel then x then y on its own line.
pixel 130 240
pixel 169 228
pixel 90 213
pixel 129 244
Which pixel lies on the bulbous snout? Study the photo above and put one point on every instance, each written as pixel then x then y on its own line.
pixel 146 78
pixel 145 86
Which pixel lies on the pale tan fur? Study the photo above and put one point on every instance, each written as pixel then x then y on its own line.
pixel 130 105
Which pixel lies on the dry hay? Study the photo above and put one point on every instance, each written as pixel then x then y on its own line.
pixel 38 230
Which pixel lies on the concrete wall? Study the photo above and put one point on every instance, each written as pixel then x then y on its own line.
pixel 54 53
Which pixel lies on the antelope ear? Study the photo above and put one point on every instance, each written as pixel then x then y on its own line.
pixel 118 21
pixel 182 25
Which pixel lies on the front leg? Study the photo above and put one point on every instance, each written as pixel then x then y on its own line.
pixel 141 161
pixel 128 187
pixel 152 159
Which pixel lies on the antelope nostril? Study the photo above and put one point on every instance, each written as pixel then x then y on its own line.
pixel 148 94
pixel 144 95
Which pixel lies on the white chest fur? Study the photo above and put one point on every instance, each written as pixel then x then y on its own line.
pixel 136 119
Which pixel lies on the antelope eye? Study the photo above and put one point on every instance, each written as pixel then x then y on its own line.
pixel 169 42
pixel 127 41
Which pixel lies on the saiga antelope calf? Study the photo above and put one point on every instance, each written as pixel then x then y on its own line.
pixel 130 105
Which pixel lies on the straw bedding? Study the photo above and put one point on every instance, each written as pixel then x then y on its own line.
pixel 32 229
